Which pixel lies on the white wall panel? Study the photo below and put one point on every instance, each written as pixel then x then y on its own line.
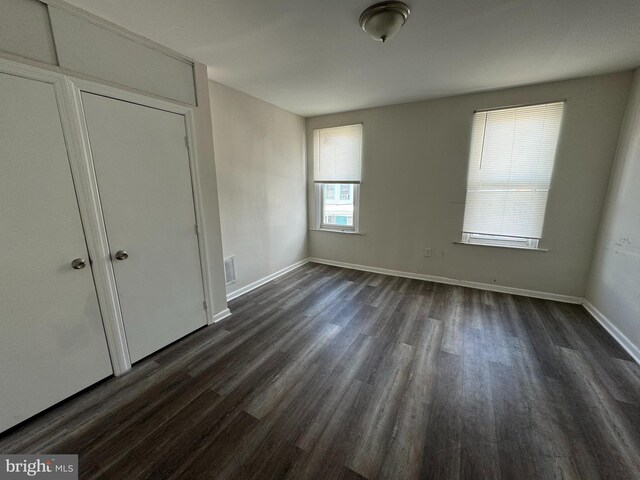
pixel 85 47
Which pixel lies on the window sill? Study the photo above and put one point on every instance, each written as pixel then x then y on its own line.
pixel 502 246
pixel 345 232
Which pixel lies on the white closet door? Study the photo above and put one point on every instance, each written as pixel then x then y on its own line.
pixel 142 167
pixel 52 341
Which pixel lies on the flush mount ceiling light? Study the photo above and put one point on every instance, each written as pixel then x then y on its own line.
pixel 383 20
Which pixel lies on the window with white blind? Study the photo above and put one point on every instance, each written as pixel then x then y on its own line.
pixel 337 166
pixel 510 164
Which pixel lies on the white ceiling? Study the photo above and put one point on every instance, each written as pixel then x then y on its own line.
pixel 310 56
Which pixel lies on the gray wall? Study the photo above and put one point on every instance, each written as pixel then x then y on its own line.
pixel 414 185
pixel 261 172
pixel 614 286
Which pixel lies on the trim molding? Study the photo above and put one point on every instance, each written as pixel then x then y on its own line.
pixel 614 331
pixel 86 186
pixel 452 281
pixel 618 336
pixel 268 278
pixel 226 313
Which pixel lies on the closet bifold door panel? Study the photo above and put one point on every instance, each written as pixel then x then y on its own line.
pixel 141 162
pixel 52 340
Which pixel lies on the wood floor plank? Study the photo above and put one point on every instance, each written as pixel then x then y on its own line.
pixel 497 337
pixel 610 437
pixel 513 426
pixel 378 412
pixel 315 417
pixel 541 343
pixel 329 453
pixel 45 431
pixel 343 374
pixel 187 441
pixel 479 451
pixel 153 447
pixel 549 438
pixel 443 446
pixel 607 368
pixel 448 306
pixel 602 338
pixel 264 400
pixel 402 458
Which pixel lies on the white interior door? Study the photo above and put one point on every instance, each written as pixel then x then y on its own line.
pixel 52 341
pixel 142 167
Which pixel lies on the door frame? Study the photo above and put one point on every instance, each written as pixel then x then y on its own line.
pixel 68 90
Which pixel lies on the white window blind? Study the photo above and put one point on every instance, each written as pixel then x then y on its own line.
pixel 337 154
pixel 511 160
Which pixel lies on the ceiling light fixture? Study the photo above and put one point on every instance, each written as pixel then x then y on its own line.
pixel 383 20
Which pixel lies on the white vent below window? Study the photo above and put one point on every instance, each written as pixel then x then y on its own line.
pixel 230 270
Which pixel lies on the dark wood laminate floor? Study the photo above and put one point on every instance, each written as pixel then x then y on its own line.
pixel 332 373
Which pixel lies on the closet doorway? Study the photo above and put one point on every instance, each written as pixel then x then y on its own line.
pixel 141 160
pixel 52 340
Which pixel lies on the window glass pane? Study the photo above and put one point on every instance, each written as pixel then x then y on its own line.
pixel 337 210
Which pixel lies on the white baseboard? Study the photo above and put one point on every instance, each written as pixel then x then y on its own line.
pixel 451 281
pixel 226 313
pixel 620 337
pixel 614 331
pixel 262 281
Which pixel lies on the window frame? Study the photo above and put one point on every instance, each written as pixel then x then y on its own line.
pixel 504 241
pixel 320 225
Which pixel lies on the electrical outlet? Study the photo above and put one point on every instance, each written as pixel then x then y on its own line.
pixel 427 252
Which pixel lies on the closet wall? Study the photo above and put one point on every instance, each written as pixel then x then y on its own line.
pixel 59 37
pixel 130 122
pixel 52 341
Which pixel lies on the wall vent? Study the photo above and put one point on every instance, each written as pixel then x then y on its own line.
pixel 230 269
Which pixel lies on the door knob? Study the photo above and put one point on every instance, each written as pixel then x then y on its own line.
pixel 79 263
pixel 121 255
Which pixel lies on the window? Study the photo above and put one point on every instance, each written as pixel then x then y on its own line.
pixel 510 164
pixel 337 168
